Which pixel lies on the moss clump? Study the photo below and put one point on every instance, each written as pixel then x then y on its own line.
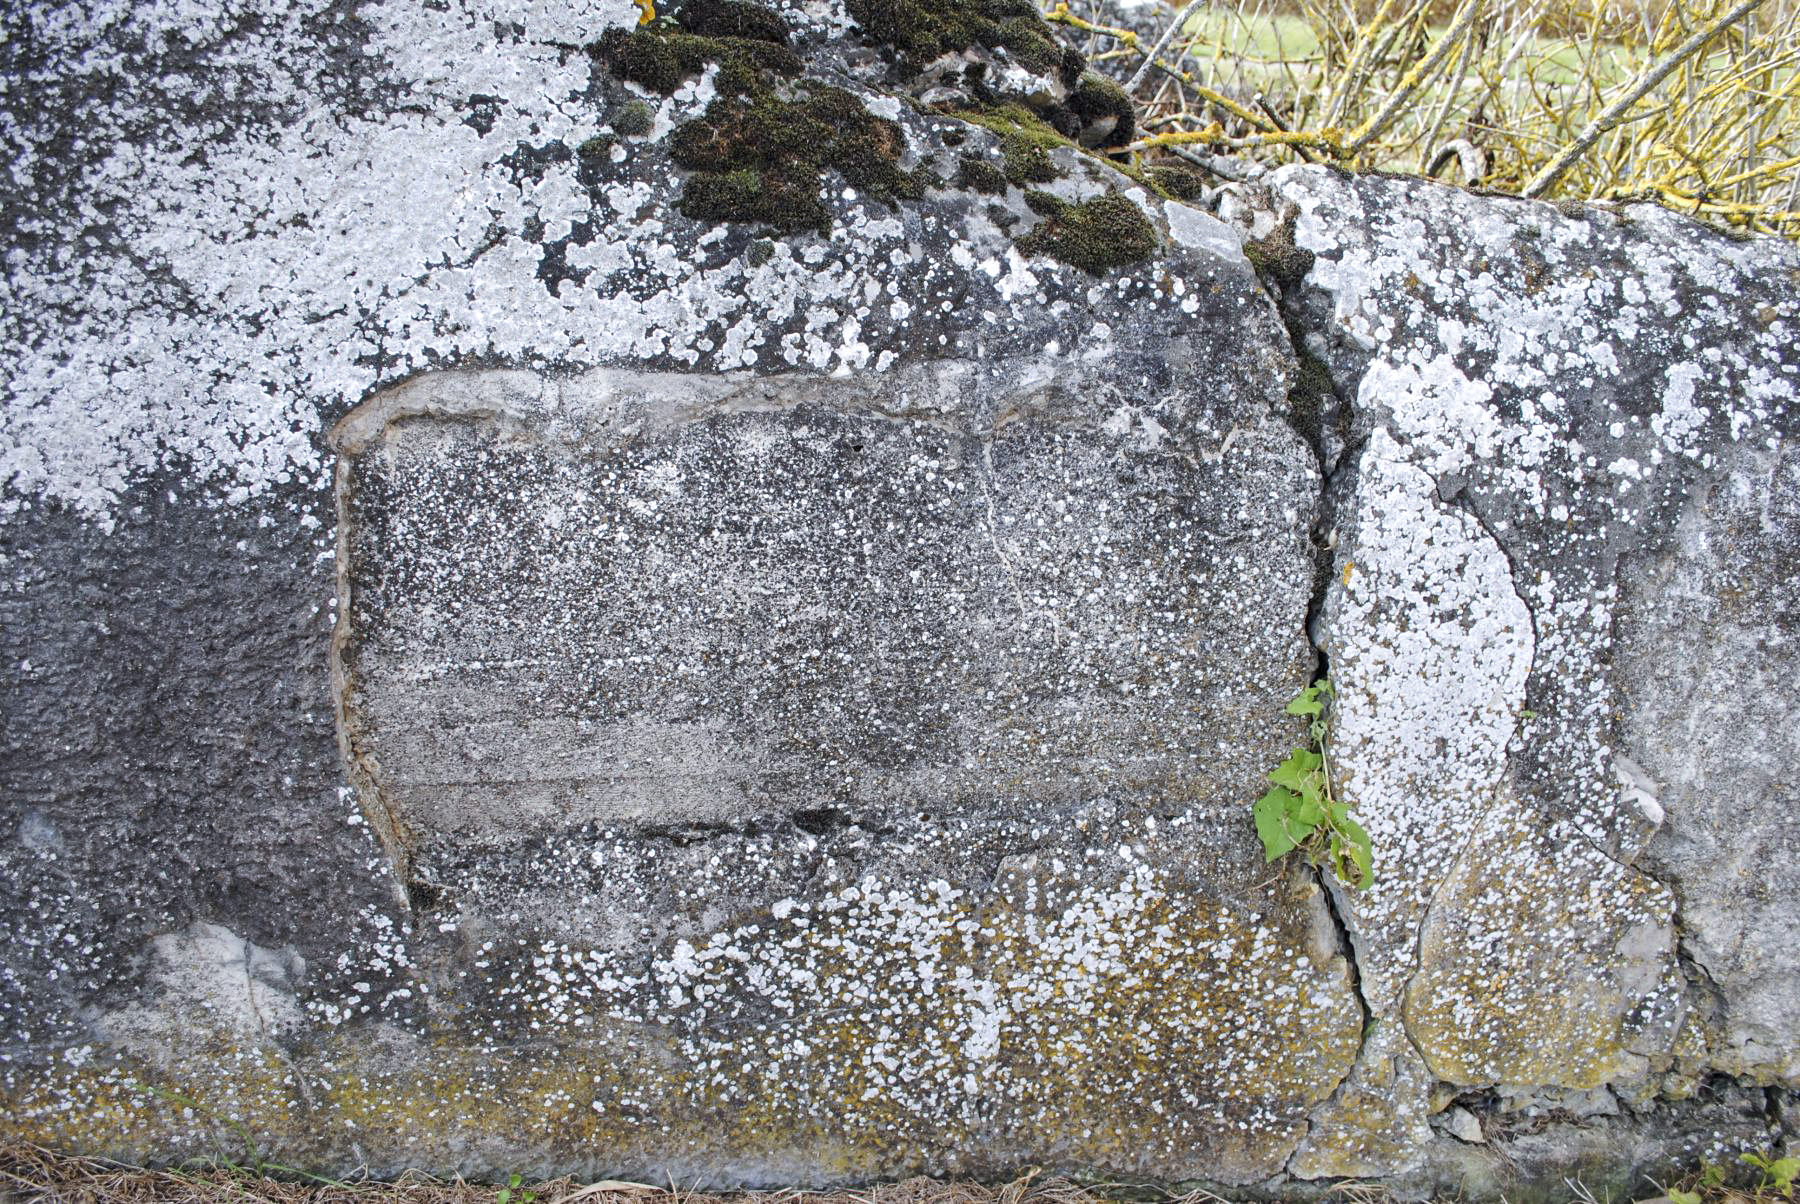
pixel 1179 182
pixel 758 157
pixel 733 19
pixel 1108 118
pixel 595 149
pixel 980 175
pixel 920 31
pixel 1276 254
pixel 1310 394
pixel 1096 235
pixel 634 120
pixel 662 59
pixel 1025 142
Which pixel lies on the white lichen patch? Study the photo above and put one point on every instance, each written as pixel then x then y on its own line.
pixel 1537 390
pixel 421 201
pixel 209 980
pixel 1429 646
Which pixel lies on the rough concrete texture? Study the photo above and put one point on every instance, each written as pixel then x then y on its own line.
pixel 506 675
pixel 1555 435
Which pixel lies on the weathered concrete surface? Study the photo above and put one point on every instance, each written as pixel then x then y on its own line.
pixel 870 792
pixel 1563 556
pixel 1711 730
pixel 968 666
pixel 503 675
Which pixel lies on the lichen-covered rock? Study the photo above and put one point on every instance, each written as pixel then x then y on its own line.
pixel 791 724
pixel 1560 541
pixel 711 601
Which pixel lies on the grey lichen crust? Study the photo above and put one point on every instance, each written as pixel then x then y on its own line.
pixel 953 682
pixel 508 674
pixel 1548 609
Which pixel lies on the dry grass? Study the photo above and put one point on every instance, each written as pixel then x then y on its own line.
pixel 1694 103
pixel 30 1174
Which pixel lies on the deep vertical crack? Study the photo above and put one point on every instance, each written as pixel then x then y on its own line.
pixel 1334 906
pixel 1321 414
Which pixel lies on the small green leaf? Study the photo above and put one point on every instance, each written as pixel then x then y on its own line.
pixel 1783 1172
pixel 1299 766
pixel 1309 812
pixel 1271 812
pixel 1364 856
pixel 504 1196
pixel 1677 1196
pixel 514 1179
pixel 1307 703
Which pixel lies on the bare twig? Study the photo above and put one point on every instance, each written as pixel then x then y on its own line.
pixel 1553 171
pixel 1459 29
pixel 1180 21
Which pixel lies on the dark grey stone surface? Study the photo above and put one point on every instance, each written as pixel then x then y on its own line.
pixel 800 698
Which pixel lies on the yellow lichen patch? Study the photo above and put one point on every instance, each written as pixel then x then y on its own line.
pixel 1136 1023
pixel 1544 962
pixel 231 1103
pixel 1375 1123
pixel 1126 1016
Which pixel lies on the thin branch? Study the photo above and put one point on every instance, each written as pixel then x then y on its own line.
pixel 1459 29
pixel 1168 35
pixel 1554 170
pixel 1456 82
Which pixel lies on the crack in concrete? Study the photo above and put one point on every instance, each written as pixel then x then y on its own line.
pixel 1332 466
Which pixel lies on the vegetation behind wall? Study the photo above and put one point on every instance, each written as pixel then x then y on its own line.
pixel 1692 103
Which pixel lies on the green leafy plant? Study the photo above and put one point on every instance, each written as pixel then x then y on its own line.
pixel 515 1192
pixel 1300 812
pixel 1778 1174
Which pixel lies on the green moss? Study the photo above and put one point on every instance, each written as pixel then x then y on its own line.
pixel 1095 99
pixel 634 120
pixel 1025 142
pixel 758 157
pixel 1310 393
pixel 596 149
pixel 980 175
pixel 733 19
pixel 1276 254
pixel 661 59
pixel 920 31
pixel 1181 183
pixel 759 252
pixel 758 152
pixel 1096 235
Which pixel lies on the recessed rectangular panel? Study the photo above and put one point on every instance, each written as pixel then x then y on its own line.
pixel 734 613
